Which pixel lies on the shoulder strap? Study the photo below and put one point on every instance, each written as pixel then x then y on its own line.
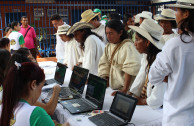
pixel 116 49
pixel 27 32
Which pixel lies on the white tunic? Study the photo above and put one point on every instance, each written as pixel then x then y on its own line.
pixel 60 49
pixel 73 53
pixel 101 32
pixel 177 62
pixel 126 60
pixel 94 49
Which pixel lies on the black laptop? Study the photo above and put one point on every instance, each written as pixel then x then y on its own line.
pixel 59 75
pixel 93 100
pixel 120 112
pixel 76 85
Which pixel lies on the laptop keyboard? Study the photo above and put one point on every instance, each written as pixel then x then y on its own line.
pixel 65 92
pixel 105 119
pixel 82 105
pixel 51 81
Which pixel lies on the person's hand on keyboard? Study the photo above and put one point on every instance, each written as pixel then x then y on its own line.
pixel 56 89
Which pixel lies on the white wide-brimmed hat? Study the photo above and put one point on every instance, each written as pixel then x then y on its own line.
pixel 79 26
pixel 62 29
pixel 145 14
pixel 187 4
pixel 88 15
pixel 166 14
pixel 151 31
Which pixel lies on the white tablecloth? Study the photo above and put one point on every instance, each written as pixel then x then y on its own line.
pixel 143 115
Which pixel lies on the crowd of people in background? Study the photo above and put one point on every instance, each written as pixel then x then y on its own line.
pixel 149 57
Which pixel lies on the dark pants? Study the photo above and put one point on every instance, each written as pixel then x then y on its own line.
pixel 33 52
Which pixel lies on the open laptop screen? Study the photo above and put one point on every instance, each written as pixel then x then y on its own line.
pixel 78 79
pixel 60 72
pixel 96 90
pixel 123 106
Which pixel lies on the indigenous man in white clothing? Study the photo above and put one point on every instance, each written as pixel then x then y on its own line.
pixel 167 21
pixel 72 49
pixel 60 45
pixel 90 43
pixel 120 61
pixel 92 18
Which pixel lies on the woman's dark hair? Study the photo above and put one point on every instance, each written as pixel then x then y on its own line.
pixel 151 51
pixel 186 24
pixel 6 29
pixel 115 16
pixel 126 17
pixel 16 86
pixel 4 42
pixel 118 27
pixel 71 36
pixel 136 24
pixel 173 24
pixel 87 32
pixel 23 51
pixel 4 58
pixel 18 58
pixel 13 24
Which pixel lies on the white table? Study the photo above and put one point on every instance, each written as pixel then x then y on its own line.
pixel 143 115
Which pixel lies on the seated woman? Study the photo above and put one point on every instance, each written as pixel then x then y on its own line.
pixel 5 43
pixel 23 90
pixel 149 43
pixel 90 43
pixel 4 58
pixel 72 50
pixel 24 55
pixel 120 62
pixel 167 21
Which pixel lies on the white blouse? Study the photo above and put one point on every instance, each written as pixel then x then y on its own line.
pixel 93 50
pixel 177 62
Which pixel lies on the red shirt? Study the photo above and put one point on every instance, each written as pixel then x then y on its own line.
pixel 29 39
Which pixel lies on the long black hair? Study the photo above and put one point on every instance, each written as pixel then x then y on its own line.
pixel 87 32
pixel 186 24
pixel 4 58
pixel 118 27
pixel 151 52
pixel 23 51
